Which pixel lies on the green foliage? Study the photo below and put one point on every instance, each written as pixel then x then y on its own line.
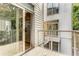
pixel 75 16
pixel 8 11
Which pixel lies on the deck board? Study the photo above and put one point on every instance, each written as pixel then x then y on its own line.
pixel 40 51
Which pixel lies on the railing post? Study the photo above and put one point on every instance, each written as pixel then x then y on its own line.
pixel 51 41
pixel 38 37
pixel 44 38
pixel 51 45
pixel 74 44
pixel 59 43
pixel 58 46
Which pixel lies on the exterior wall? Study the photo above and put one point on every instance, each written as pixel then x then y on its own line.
pixel 65 23
pixel 38 22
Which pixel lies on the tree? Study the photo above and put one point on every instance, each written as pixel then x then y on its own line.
pixel 75 16
pixel 8 11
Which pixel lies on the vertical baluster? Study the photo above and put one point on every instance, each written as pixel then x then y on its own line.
pixel 51 41
pixel 44 39
pixel 48 40
pixel 51 45
pixel 58 41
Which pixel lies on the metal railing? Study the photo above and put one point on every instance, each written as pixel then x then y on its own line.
pixel 62 41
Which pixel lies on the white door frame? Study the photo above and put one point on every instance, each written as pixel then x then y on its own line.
pixel 24 11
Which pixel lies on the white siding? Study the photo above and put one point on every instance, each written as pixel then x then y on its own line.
pixel 38 22
pixel 65 23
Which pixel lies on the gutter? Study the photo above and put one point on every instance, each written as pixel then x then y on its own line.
pixel 23 7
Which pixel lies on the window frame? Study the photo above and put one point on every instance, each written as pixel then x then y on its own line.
pixel 54 10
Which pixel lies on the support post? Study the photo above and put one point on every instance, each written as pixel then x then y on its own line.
pixel 51 45
pixel 24 29
pixel 74 44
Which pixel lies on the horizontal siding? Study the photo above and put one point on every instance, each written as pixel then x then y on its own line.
pixel 38 22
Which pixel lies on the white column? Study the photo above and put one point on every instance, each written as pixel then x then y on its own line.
pixel 24 29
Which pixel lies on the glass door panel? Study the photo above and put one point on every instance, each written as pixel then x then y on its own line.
pixel 27 30
pixel 20 30
pixel 7 29
pixel 10 29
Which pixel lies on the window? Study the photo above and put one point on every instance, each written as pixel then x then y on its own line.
pixel 55 46
pixel 49 9
pixel 51 26
pixel 52 8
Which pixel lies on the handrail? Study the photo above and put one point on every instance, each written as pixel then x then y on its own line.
pixel 71 34
pixel 61 30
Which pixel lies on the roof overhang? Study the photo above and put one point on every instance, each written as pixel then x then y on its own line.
pixel 27 6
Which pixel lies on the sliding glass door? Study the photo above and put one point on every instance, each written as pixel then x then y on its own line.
pixel 11 20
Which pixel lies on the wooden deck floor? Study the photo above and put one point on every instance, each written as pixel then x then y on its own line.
pixel 40 51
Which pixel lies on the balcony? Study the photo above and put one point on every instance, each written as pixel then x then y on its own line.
pixel 61 41
pixel 40 51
